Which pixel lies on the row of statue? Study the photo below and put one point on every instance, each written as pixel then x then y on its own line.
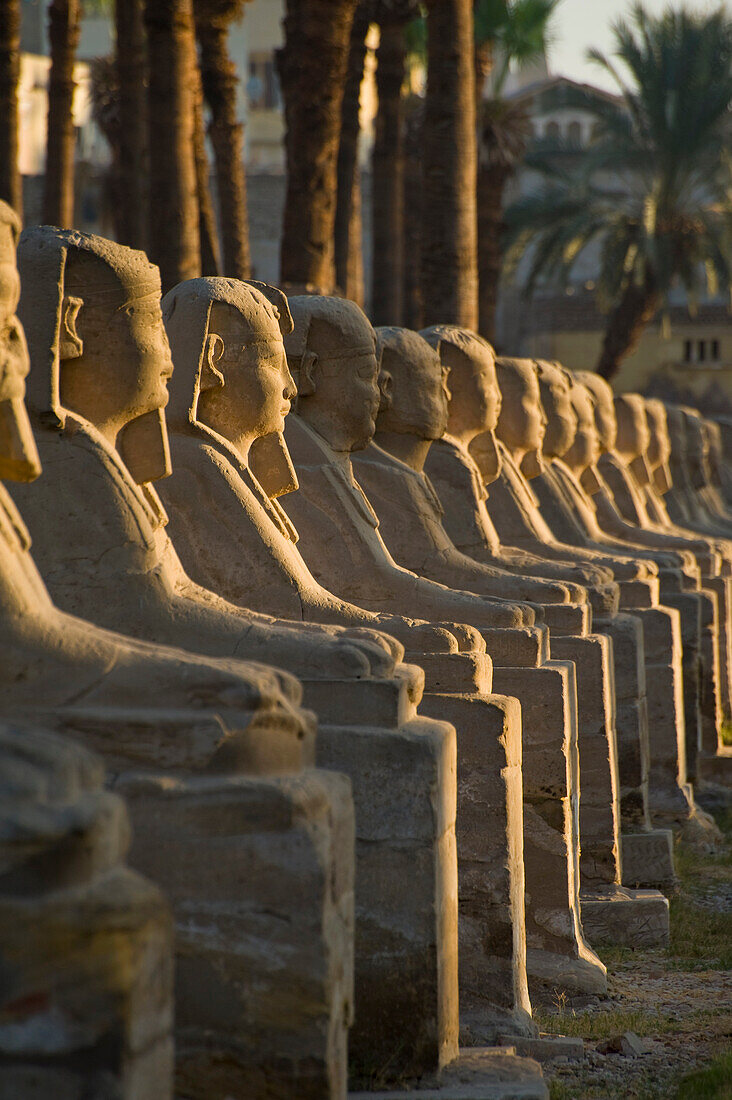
pixel 354 684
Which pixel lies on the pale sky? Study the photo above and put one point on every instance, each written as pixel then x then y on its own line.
pixel 581 24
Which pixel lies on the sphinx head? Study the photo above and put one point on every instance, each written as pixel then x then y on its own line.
pixel 696 447
pixel 231 373
pixel 331 352
pixel 18 455
pixel 603 397
pixel 555 388
pixel 98 349
pixel 659 447
pixel 634 435
pixel 522 423
pixel 586 449
pixel 475 401
pixel 413 381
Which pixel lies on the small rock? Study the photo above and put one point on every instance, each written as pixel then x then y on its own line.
pixel 628 1044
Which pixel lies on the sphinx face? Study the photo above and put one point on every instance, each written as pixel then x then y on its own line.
pixel 605 420
pixel 585 450
pixel 556 397
pixel 19 459
pixel 522 422
pixel 116 362
pixel 475 404
pixel 419 392
pixel 257 386
pixel 346 397
pixel 634 434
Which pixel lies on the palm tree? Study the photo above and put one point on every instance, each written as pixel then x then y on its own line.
pixel 131 84
pixel 387 162
pixel 64 22
pixel 10 181
pixel 218 73
pixel 448 262
pixel 348 227
pixel 312 69
pixel 173 207
pixel 667 219
pixel 207 229
pixel 506 32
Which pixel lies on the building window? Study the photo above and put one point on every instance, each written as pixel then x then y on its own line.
pixel 701 351
pixel 714 354
pixel 688 348
pixel 263 87
pixel 574 133
pixel 551 131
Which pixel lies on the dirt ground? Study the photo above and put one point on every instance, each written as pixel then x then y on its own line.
pixel 678 1001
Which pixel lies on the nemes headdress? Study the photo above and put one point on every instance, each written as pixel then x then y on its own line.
pixel 46 257
pixel 334 321
pixel 187 315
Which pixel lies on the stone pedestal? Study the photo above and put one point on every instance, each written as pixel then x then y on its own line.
pixel 260 875
pixel 557 955
pixel 406 966
pixel 648 859
pixel 494 996
pixel 669 797
pixel 85 943
pixel 622 917
pixel 480 1073
pixel 599 810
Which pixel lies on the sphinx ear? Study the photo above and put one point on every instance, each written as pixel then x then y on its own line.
pixel 385 388
pixel 211 377
pixel 305 381
pixel 70 344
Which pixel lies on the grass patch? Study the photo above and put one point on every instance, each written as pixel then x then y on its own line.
pixel 712 1083
pixel 603 1025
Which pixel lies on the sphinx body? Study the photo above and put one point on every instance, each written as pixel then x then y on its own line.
pixel 209 753
pixel 332 354
pixel 236 539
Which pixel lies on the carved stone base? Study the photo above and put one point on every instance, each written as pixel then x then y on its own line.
pixel 260 875
pixel 648 859
pixel 622 917
pixel 406 892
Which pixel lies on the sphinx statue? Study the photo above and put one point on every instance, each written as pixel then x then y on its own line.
pixel 563 498
pixel 513 506
pixel 472 411
pixel 230 392
pixel 332 354
pixel 97 522
pixel 643 481
pixel 212 756
pixel 85 943
pixel 428 423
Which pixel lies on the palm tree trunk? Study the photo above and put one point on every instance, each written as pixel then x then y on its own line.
pixel 131 218
pixel 348 229
pixel 173 228
pixel 449 266
pixel 388 178
pixel 626 324
pixel 218 74
pixel 207 230
pixel 11 190
pixel 412 190
pixel 64 18
pixel 312 69
pixel 492 180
